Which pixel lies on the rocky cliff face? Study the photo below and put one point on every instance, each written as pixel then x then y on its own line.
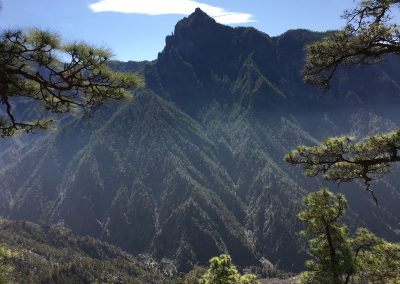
pixel 193 166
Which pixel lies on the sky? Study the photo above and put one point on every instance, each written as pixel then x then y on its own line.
pixel 136 29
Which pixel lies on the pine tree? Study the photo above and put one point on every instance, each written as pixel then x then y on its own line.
pixel 338 257
pixel 368 37
pixel 329 241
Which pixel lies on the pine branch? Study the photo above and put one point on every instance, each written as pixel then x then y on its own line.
pixel 30 68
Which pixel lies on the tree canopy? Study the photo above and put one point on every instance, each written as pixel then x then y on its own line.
pixel 36 66
pixel 223 271
pixel 368 37
pixel 328 238
pixel 338 257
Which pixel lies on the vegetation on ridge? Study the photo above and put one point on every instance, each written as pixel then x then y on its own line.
pixel 39 254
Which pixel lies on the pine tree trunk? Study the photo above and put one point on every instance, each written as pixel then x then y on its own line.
pixel 333 257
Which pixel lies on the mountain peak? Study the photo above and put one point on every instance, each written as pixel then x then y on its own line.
pixel 194 30
pixel 196 19
pixel 199 12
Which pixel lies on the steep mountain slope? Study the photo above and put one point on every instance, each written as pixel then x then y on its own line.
pixel 193 166
pixel 172 168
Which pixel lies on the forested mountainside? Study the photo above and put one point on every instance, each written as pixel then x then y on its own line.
pixel 193 165
pixel 44 254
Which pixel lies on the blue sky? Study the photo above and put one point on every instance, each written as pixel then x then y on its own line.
pixel 136 29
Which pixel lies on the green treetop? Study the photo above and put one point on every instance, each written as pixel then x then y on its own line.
pixel 328 238
pixel 339 258
pixel 223 271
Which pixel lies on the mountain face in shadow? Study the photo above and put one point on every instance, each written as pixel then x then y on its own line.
pixel 204 61
pixel 193 166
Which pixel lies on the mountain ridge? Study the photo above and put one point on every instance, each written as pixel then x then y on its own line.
pixel 193 166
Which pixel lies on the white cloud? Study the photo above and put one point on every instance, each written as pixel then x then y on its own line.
pixel 162 7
